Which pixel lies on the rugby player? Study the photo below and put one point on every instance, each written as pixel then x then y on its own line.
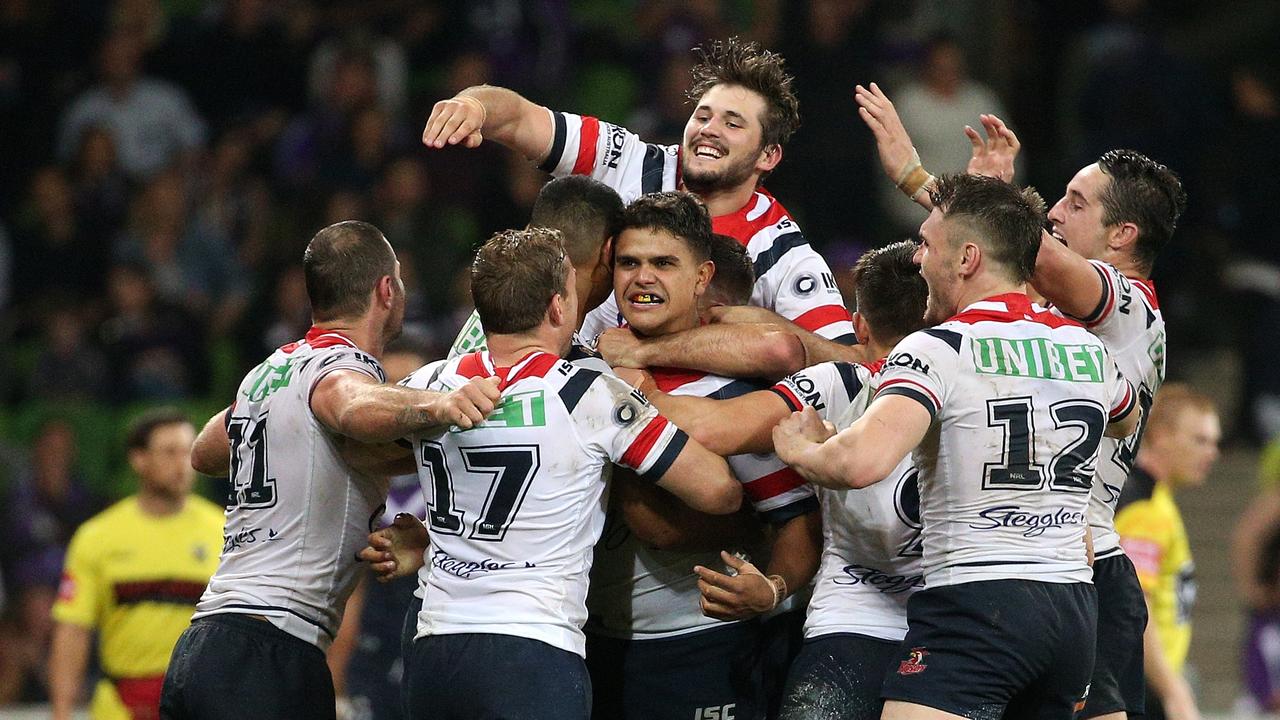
pixel 516 504
pixel 1095 266
pixel 297 513
pixel 654 649
pixel 1007 404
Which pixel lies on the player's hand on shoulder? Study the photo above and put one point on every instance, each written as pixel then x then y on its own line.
pixel 799 430
pixel 621 348
pixel 469 404
pixel 453 121
pixel 396 550
pixel 746 594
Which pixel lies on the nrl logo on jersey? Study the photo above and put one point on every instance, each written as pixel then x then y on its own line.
pixel 1038 358
pixel 519 410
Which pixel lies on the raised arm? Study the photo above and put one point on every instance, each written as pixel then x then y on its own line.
pixel 211 453
pixel 993 155
pixel 745 350
pixel 1066 279
pixel 861 455
pixel 497 113
pixel 898 156
pixel 358 406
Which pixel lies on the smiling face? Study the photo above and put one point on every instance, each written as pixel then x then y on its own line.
pixel 1077 217
pixel 723 147
pixel 657 281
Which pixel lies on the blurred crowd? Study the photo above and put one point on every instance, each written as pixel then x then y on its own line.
pixel 166 161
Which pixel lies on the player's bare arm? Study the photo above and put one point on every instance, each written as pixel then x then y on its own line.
pixel 817 349
pixel 1125 426
pixel 702 480
pixel 661 521
pixel 358 406
pixel 859 456
pixel 499 114
pixel 749 350
pixel 1066 278
pixel 396 550
pixel 993 155
pixel 738 425
pixel 211 454
pixel 381 459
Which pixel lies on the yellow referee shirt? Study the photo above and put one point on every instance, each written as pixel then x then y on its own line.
pixel 1154 538
pixel 135 578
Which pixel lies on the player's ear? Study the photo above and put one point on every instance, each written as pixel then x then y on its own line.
pixel 385 291
pixel 861 328
pixel 706 271
pixel 557 310
pixel 770 156
pixel 970 259
pixel 605 259
pixel 1122 235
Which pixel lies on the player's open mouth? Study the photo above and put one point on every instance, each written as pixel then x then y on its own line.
pixel 1057 235
pixel 645 299
pixel 709 152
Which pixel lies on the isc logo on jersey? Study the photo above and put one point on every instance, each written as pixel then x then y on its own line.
pixel 518 410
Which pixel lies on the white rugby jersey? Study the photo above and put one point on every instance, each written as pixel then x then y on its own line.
pixel 515 504
pixel 792 279
pixel 1129 323
pixel 871 549
pixel 1020 399
pixel 643 593
pixel 296 514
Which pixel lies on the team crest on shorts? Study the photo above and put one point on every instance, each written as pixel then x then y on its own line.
pixel 914 664
pixel 1084 699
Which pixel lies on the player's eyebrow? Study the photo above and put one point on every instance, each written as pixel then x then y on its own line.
pixel 731 113
pixel 1078 196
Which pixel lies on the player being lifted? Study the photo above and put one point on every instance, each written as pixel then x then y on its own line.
pixel 1005 405
pixel 653 653
pixel 871 537
pixel 744 112
pixel 297 512
pixel 516 504
pixel 1095 266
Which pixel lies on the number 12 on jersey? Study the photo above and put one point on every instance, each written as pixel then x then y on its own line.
pixel 510 470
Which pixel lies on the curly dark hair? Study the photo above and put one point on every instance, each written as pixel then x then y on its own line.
pixel 1005 219
pixel 735 62
pixel 1145 193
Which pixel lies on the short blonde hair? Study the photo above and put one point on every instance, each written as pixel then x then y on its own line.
pixel 1172 401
